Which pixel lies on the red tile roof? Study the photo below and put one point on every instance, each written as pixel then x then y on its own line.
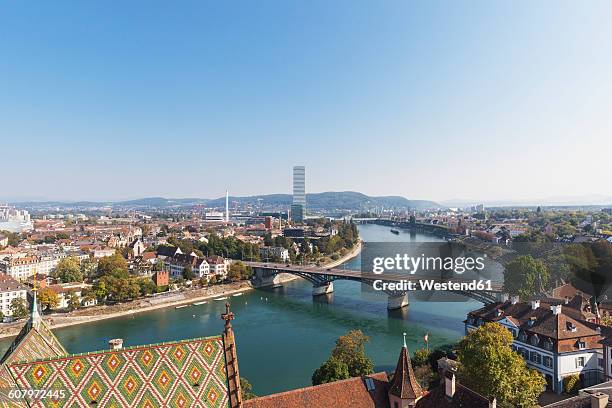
pixel 351 393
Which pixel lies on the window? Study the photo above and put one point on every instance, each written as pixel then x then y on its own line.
pixel 600 362
pixel 580 362
pixel 369 384
pixel 548 361
pixel 581 345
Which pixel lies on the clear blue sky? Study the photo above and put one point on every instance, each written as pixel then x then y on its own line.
pixel 431 100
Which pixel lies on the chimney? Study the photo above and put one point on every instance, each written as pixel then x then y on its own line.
pixel 449 384
pixel 493 403
pixel 599 400
pixel 515 299
pixel 535 304
pixel 567 299
pixel 556 309
pixel 116 344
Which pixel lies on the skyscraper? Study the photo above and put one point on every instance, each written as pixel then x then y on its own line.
pixel 299 194
pixel 299 185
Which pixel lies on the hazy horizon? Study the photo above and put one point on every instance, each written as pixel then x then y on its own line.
pixel 427 100
pixel 587 200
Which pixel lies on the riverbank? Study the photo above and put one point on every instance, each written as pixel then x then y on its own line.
pixel 168 299
pixel 103 312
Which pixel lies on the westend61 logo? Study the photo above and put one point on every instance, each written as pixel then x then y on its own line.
pixel 442 269
pixel 413 265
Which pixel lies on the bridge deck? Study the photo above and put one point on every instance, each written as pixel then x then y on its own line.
pixel 359 275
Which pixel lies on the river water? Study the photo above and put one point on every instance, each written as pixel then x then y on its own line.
pixel 282 334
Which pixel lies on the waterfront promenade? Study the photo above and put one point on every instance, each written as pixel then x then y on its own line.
pixel 168 299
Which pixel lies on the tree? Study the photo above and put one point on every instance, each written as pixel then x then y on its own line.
pixel 332 370
pixel 109 264
pixel 490 367
pixel 524 275
pixel 68 270
pixel 147 286
pixel 48 298
pixel 246 389
pixel 238 271
pixel 188 273
pixel 73 301
pixel 606 320
pixel 348 359
pixel 99 290
pixel 420 357
pixel 350 349
pixel 18 308
pixel 89 267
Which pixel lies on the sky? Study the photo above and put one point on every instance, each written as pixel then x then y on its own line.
pixel 438 100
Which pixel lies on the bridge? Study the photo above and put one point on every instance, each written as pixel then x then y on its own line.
pixel 267 274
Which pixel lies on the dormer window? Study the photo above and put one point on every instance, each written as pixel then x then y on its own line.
pixel 548 345
pixel 571 327
pixel 581 345
pixel 535 340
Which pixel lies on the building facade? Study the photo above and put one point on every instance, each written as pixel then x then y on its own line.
pixel 552 339
pixel 299 194
pixel 10 289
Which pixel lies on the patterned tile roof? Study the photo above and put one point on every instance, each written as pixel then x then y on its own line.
pixel 188 373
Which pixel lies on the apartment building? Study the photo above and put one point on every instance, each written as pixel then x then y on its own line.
pixel 552 338
pixel 9 290
pixel 20 268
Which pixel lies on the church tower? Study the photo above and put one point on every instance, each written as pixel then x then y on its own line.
pixel 404 391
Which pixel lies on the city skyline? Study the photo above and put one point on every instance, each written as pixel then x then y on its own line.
pixel 423 100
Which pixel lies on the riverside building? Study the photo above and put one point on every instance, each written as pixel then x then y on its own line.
pixel 553 338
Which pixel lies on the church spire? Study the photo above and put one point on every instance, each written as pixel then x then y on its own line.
pixel 405 390
pixel 35 317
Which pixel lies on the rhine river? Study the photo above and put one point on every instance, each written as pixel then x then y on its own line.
pixel 282 334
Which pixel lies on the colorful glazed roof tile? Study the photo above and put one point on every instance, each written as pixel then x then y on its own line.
pixel 185 373
pixel 34 341
pixel 188 373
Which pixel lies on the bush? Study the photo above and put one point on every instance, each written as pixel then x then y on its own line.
pixel 572 384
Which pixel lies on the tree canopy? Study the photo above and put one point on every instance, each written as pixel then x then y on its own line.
pixel 524 275
pixel 348 359
pixel 490 367
pixel 68 270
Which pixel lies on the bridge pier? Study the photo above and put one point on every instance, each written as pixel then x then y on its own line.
pixel 324 289
pixel 397 301
pixel 261 279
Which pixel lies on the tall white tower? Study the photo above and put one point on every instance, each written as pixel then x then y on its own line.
pixel 226 206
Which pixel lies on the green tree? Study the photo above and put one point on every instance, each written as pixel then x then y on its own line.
pixel 332 370
pixel 490 367
pixel 350 349
pixel 109 264
pixel 524 275
pixel 68 270
pixel 420 357
pixel 147 286
pixel 89 267
pixel 348 359
pixel 188 273
pixel 99 290
pixel 18 308
pixel 239 271
pixel 73 301
pixel 48 298
pixel 246 389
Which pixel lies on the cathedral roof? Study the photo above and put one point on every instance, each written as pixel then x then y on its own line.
pixel 187 373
